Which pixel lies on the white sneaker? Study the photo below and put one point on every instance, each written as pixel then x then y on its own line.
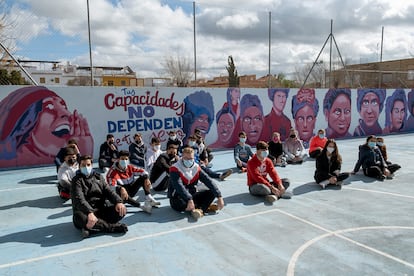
pixel 324 183
pixel 152 200
pixel 270 198
pixel 147 207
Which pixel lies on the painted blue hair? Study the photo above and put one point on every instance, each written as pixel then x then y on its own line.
pixel 398 95
pixel 379 92
pixel 249 100
pixel 197 103
pixel 271 92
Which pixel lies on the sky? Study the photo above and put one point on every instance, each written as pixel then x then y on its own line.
pixel 143 34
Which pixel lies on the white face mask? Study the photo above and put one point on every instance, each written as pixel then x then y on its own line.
pixel 191 143
pixel 173 137
pixel 330 149
pixel 264 153
pixel 157 147
pixel 188 162
pixel 86 170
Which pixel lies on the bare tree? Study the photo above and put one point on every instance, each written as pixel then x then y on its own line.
pixel 316 76
pixel 179 69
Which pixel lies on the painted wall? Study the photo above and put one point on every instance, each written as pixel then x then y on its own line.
pixel 35 122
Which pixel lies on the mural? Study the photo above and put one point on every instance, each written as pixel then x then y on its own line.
pixel 35 122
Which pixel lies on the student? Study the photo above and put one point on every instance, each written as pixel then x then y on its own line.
pixel 127 179
pixel 60 156
pixel 152 153
pixel 160 173
pixel 317 143
pixel 294 149
pixel 371 160
pixel 383 149
pixel 183 191
pixel 90 196
pixel 108 153
pixel 173 139
pixel 137 151
pixel 328 166
pixel 276 153
pixel 258 169
pixel 242 152
pixel 66 172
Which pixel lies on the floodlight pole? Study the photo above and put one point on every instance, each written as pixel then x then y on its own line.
pixel 270 47
pixel 90 47
pixel 195 44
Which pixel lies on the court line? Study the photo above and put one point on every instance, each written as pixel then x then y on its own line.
pixel 379 192
pixel 28 187
pixel 300 250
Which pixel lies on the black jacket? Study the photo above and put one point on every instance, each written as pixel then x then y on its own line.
pixel 325 168
pixel 162 164
pixel 368 157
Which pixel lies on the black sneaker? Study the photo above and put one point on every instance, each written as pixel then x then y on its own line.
pixel 119 228
pixel 133 202
pixel 85 233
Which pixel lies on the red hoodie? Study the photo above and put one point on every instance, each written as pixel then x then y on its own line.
pixel 257 172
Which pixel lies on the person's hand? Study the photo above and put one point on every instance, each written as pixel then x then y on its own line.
pixel 124 194
pixel 332 180
pixel 190 205
pixel 147 184
pixel 352 172
pixel 239 163
pixel 92 219
pixel 220 203
pixel 387 172
pixel 281 189
pixel 121 209
pixel 79 130
pixel 275 191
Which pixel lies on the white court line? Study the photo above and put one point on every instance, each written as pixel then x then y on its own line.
pixel 28 187
pixel 379 192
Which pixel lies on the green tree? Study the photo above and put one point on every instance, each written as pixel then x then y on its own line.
pixel 234 79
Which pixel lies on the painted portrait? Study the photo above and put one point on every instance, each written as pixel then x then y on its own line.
pixel 337 111
pixel 226 123
pixel 409 124
pixel 305 109
pixel 276 120
pixel 395 112
pixel 370 103
pixel 233 101
pixel 251 118
pixel 35 124
pixel 198 114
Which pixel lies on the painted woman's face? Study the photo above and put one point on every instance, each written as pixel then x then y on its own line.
pixel 201 122
pixel 52 129
pixel 397 115
pixel 279 101
pixel 252 124
pixel 235 95
pixel 370 109
pixel 339 117
pixel 225 127
pixel 305 122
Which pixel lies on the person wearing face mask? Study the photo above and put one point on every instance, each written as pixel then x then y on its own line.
pixel 317 143
pixel 328 166
pixel 152 153
pixel 173 139
pixel 242 152
pixel 137 151
pixel 66 172
pixel 258 170
pixel 383 148
pixel 276 153
pixel 60 156
pixel 160 173
pixel 128 179
pixel 108 153
pixel 371 160
pixel 90 196
pixel 294 149
pixel 184 192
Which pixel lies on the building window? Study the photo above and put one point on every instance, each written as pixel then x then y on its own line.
pixel 42 80
pixel 57 80
pixel 110 83
pixel 410 75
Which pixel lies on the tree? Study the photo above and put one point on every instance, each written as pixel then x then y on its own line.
pixel 234 79
pixel 12 78
pixel 179 69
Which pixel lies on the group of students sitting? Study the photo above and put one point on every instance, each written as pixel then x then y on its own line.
pixel 181 168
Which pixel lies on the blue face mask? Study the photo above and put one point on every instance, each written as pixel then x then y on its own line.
pixel 86 170
pixel 264 153
pixel 372 144
pixel 321 135
pixel 243 140
pixel 191 143
pixel 188 162
pixel 123 163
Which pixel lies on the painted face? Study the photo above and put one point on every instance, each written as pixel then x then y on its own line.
pixel 52 129
pixel 235 95
pixel 201 122
pixel 397 115
pixel 279 101
pixel 370 109
pixel 252 124
pixel 339 117
pixel 225 127
pixel 305 122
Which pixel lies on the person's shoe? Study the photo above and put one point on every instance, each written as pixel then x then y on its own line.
pixel 64 195
pixel 286 195
pixel 197 213
pixel 147 208
pixel 152 200
pixel 212 208
pixel 85 233
pixel 323 185
pixel 381 177
pixel 226 174
pixel 119 228
pixel 133 202
pixel 338 183
pixel 243 169
pixel 389 177
pixel 270 198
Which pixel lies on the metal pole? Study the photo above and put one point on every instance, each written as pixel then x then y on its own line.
pixel 330 58
pixel 90 48
pixel 18 63
pixel 195 44
pixel 270 47
pixel 379 65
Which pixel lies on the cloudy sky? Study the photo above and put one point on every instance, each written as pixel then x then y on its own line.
pixel 143 33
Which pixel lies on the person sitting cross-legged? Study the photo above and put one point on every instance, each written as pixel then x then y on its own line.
pixel 258 169
pixel 66 172
pixel 127 179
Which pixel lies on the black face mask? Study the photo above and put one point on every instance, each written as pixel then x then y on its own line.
pixel 292 136
pixel 171 155
pixel 138 141
pixel 71 161
pixel 110 142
